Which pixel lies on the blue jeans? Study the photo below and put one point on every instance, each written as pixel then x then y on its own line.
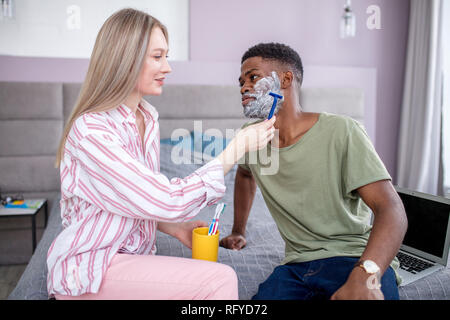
pixel 317 279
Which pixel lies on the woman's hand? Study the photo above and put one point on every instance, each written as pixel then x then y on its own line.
pixel 181 230
pixel 256 137
pixel 251 138
pixel 184 231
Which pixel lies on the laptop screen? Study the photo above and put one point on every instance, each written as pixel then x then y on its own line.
pixel 427 224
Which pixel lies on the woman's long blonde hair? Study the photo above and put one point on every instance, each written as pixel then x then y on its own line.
pixel 115 65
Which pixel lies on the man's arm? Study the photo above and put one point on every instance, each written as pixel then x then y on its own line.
pixel 244 194
pixel 388 229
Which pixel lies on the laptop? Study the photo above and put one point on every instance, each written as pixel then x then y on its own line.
pixel 426 244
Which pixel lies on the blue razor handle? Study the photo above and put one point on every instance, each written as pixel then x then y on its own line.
pixel 275 99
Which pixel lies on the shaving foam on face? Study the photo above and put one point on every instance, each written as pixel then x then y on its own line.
pixel 260 107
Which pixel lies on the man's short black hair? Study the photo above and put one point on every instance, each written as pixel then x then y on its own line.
pixel 279 52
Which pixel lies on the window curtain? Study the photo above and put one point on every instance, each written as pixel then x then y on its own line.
pixel 419 147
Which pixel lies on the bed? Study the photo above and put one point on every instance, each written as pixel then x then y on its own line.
pixel 182 107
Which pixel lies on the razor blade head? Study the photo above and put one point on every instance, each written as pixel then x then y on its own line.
pixel 275 95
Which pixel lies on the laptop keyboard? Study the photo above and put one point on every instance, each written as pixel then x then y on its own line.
pixel 412 264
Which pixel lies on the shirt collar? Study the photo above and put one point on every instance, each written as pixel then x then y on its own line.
pixel 149 110
pixel 124 114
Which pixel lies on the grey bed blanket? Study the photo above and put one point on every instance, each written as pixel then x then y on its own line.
pixel 253 264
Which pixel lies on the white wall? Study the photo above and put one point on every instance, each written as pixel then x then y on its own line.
pixel 68 28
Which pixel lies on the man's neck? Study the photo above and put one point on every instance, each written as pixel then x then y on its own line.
pixel 292 123
pixel 289 122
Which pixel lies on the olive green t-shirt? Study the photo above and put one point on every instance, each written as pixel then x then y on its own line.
pixel 311 192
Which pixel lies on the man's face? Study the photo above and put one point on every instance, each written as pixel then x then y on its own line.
pixel 257 79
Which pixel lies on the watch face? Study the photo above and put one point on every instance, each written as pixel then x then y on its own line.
pixel 370 266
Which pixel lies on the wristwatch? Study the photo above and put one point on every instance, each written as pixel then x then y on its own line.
pixel 368 266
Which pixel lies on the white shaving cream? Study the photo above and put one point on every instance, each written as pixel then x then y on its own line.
pixel 260 107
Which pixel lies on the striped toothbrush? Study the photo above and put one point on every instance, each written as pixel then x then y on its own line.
pixel 215 221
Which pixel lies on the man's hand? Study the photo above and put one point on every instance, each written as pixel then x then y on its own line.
pixel 359 286
pixel 244 193
pixel 234 241
pixel 388 229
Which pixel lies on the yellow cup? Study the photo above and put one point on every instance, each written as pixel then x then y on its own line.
pixel 205 247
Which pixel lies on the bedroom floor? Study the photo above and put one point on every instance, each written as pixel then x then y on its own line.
pixel 9 276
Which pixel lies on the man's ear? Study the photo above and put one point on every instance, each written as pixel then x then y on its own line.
pixel 287 78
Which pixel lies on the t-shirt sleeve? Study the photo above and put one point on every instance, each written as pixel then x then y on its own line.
pixel 361 165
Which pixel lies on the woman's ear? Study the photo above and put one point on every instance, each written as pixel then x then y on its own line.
pixel 287 79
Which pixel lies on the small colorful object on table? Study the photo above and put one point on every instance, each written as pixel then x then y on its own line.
pixel 16 204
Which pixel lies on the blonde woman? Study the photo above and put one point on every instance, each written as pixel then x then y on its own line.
pixel 113 197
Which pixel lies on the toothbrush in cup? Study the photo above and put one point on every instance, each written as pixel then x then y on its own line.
pixel 215 221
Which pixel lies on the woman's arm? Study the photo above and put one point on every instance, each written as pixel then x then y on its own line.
pixel 113 180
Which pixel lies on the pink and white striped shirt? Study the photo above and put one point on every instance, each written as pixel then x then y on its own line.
pixel 113 195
